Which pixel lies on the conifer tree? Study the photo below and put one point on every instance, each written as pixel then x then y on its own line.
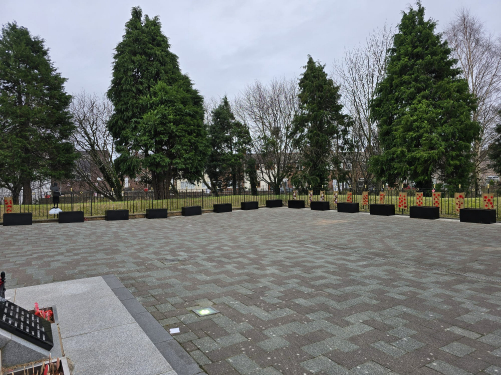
pixel 230 141
pixel 158 117
pixel 423 109
pixel 318 127
pixel 35 122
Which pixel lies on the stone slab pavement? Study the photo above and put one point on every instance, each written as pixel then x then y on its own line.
pixel 298 291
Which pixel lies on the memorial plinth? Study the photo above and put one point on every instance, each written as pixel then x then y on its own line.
pixel 295 204
pixel 320 205
pixel 112 215
pixel 274 203
pixel 191 210
pixel 222 207
pixel 25 218
pixel 71 217
pixel 424 212
pixel 156 213
pixel 348 207
pixel 382 209
pixel 249 205
pixel 477 215
pixel 26 325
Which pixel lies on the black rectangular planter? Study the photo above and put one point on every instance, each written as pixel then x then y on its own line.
pixel 111 215
pixel 191 210
pixel 222 207
pixel 319 205
pixel 249 205
pixel 18 219
pixel 422 212
pixel 71 217
pixel 274 203
pixel 295 203
pixel 348 207
pixel 382 209
pixel 156 213
pixel 476 215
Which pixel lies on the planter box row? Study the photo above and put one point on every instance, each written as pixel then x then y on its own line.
pixel 470 215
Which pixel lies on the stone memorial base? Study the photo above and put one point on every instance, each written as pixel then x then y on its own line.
pixel 295 204
pixel 348 207
pixel 320 206
pixel 382 209
pixel 274 203
pixel 191 210
pixel 103 330
pixel 422 212
pixel 71 217
pixel 18 219
pixel 112 215
pixel 222 207
pixel 249 205
pixel 156 213
pixel 477 215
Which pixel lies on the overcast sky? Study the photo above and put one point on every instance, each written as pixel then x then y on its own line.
pixel 222 45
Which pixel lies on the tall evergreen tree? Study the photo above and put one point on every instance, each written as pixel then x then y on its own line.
pixel 158 117
pixel 230 141
pixel 35 123
pixel 423 109
pixel 319 127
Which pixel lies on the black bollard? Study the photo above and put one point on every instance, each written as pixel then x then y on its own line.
pixel 2 285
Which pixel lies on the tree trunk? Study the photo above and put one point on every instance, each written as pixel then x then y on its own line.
pixel 157 181
pixel 234 181
pixel 27 193
pixel 168 183
pixel 276 188
pixel 15 194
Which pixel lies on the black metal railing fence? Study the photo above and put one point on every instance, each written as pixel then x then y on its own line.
pixel 137 202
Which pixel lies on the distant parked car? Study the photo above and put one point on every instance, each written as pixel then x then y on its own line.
pixel 287 190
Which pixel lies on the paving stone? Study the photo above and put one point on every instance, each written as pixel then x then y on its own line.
pixel 402 332
pixel 458 349
pixel 325 365
pixel 447 369
pixel 493 370
pixel 200 357
pixel 389 349
pixel 491 339
pixel 244 364
pixel 371 368
pixel 408 344
pixel 464 332
pixel 273 343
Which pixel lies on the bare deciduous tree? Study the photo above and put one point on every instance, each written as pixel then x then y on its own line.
pixel 358 74
pixel 92 138
pixel 268 111
pixel 479 57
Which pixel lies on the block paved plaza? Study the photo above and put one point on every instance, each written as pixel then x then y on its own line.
pixel 299 291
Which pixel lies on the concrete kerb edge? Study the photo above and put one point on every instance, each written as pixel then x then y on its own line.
pixel 178 358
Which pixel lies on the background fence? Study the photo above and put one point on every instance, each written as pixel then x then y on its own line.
pixel 138 202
